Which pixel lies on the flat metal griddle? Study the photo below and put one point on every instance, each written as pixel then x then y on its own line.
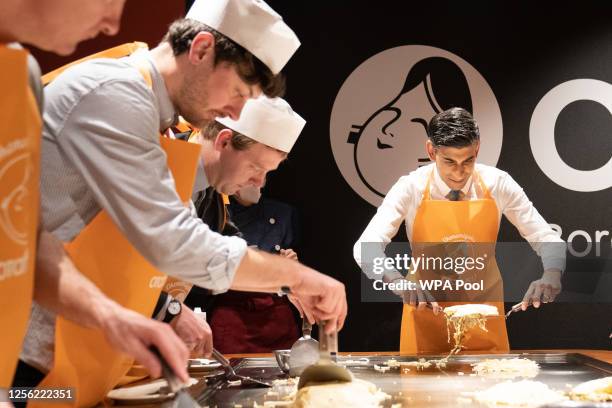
pixel 431 387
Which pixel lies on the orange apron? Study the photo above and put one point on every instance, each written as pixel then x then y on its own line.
pixel 115 52
pixel 175 287
pixel 19 202
pixel 440 221
pixel 83 358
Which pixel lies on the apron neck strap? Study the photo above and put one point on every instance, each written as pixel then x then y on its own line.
pixel 485 191
pixel 426 192
pixel 142 67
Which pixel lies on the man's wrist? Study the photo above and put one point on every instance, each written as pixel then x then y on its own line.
pixel 294 277
pixel 105 310
pixel 553 276
pixel 284 291
pixel 172 310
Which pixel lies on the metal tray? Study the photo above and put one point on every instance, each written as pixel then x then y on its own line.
pixel 431 387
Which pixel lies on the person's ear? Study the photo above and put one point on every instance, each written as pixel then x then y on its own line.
pixel 431 150
pixel 477 148
pixel 223 139
pixel 202 47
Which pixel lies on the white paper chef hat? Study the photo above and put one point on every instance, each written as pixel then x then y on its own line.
pixel 252 24
pixel 270 121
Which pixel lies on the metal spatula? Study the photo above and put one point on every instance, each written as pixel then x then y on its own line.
pixel 182 398
pixel 517 308
pixel 231 374
pixel 325 370
pixel 304 352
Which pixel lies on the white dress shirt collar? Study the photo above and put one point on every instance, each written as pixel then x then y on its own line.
pixel 444 189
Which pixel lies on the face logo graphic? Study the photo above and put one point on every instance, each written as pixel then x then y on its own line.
pixel 379 119
pixel 15 177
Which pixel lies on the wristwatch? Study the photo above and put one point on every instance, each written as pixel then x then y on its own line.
pixel 173 310
pixel 284 290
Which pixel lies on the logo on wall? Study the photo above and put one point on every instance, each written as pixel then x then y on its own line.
pixel 542 134
pixel 379 118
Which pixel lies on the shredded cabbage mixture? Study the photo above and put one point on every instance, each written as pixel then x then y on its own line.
pixel 462 318
pixel 599 390
pixel 525 393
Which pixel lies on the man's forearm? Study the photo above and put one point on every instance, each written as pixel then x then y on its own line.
pixel 320 296
pixel 262 272
pixel 60 287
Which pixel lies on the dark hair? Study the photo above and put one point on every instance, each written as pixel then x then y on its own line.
pixel 238 140
pixel 250 69
pixel 454 127
pixel 445 83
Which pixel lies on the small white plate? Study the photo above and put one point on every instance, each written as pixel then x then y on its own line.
pixel 143 393
pixel 202 364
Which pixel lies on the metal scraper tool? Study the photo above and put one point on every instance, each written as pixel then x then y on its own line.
pixel 304 352
pixel 517 308
pixel 231 374
pixel 325 370
pixel 182 399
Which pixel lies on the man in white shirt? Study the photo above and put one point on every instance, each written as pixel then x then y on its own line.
pixel 456 197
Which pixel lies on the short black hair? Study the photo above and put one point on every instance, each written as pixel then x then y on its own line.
pixel 454 127
pixel 250 69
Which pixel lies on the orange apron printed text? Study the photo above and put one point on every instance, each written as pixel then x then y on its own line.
pixel 19 173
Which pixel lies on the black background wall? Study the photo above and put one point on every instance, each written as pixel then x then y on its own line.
pixel 522 52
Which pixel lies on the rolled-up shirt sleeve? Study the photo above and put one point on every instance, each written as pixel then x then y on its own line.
pixel 521 212
pixel 112 138
pixel 383 227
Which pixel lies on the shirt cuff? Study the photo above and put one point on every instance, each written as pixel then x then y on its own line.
pixel 553 255
pixel 222 267
pixel 193 209
pixel 366 255
pixel 554 263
